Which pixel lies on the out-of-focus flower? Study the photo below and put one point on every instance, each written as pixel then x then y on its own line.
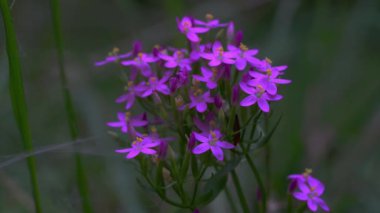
pixel 127 123
pixel 185 25
pixel 309 190
pixel 243 55
pixel 219 56
pixel 210 77
pixel 177 60
pixel 199 100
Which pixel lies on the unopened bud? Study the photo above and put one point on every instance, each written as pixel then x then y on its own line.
pixel 235 94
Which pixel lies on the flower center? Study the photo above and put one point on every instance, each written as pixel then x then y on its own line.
pixel 260 91
pixel 220 51
pixel 186 25
pixel 243 47
pixel 209 17
pixel 127 115
pixel 214 138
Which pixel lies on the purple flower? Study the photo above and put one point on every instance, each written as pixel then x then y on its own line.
pixel 141 61
pixel 177 60
pixel 211 141
pixel 310 190
pixel 268 80
pixel 235 94
pixel 207 125
pixel 243 55
pixel 154 84
pixel 199 100
pixel 196 51
pixel 210 23
pixel 219 56
pixel 186 27
pixel 140 145
pixel 210 77
pixel 257 94
pixel 129 97
pixel 127 123
pixel 113 57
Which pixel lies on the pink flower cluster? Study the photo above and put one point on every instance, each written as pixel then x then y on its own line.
pixel 190 86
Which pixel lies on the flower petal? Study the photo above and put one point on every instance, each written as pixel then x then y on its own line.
pixel 148 151
pixel 201 107
pixel 263 104
pixel 133 154
pixel 225 145
pixel 240 64
pixel 300 196
pixel 248 101
pixel 217 152
pixel 201 148
pixel 200 137
pixel 312 205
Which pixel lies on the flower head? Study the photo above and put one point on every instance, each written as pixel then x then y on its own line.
pixel 127 123
pixel 199 100
pixel 243 55
pixel 257 95
pixel 219 56
pixel 140 145
pixel 309 190
pixel 211 141
pixel 185 25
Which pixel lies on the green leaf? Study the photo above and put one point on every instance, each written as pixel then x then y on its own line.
pixel 266 137
pixel 216 183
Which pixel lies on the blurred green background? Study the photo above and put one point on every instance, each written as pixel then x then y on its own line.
pixel 331 111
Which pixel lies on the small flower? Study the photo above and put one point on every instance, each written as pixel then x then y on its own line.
pixel 127 123
pixel 140 145
pixel 113 56
pixel 141 61
pixel 310 190
pixel 219 56
pixel 210 77
pixel 243 55
pixel 154 84
pixel 210 23
pixel 211 141
pixel 177 60
pixel 199 100
pixel 257 94
pixel 129 97
pixel 186 27
pixel 268 80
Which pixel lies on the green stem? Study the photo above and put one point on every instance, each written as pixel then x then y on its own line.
pixel 72 119
pixel 302 208
pixel 239 191
pixel 230 200
pixel 16 89
pixel 258 179
pixel 290 203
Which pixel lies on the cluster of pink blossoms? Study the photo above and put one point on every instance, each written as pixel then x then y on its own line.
pixel 185 90
pixel 308 189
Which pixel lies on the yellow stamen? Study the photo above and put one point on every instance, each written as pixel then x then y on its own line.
pixel 209 16
pixel 243 47
pixel 268 60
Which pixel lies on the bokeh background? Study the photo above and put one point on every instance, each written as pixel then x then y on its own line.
pixel 331 111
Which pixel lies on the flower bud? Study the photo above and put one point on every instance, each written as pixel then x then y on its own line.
pixel 218 102
pixel 235 94
pixel 230 32
pixel 238 38
pixel 137 47
pixel 173 84
pixel 163 149
pixel 191 143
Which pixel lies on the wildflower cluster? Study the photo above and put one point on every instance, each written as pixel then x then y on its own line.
pixel 181 103
pixel 308 189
